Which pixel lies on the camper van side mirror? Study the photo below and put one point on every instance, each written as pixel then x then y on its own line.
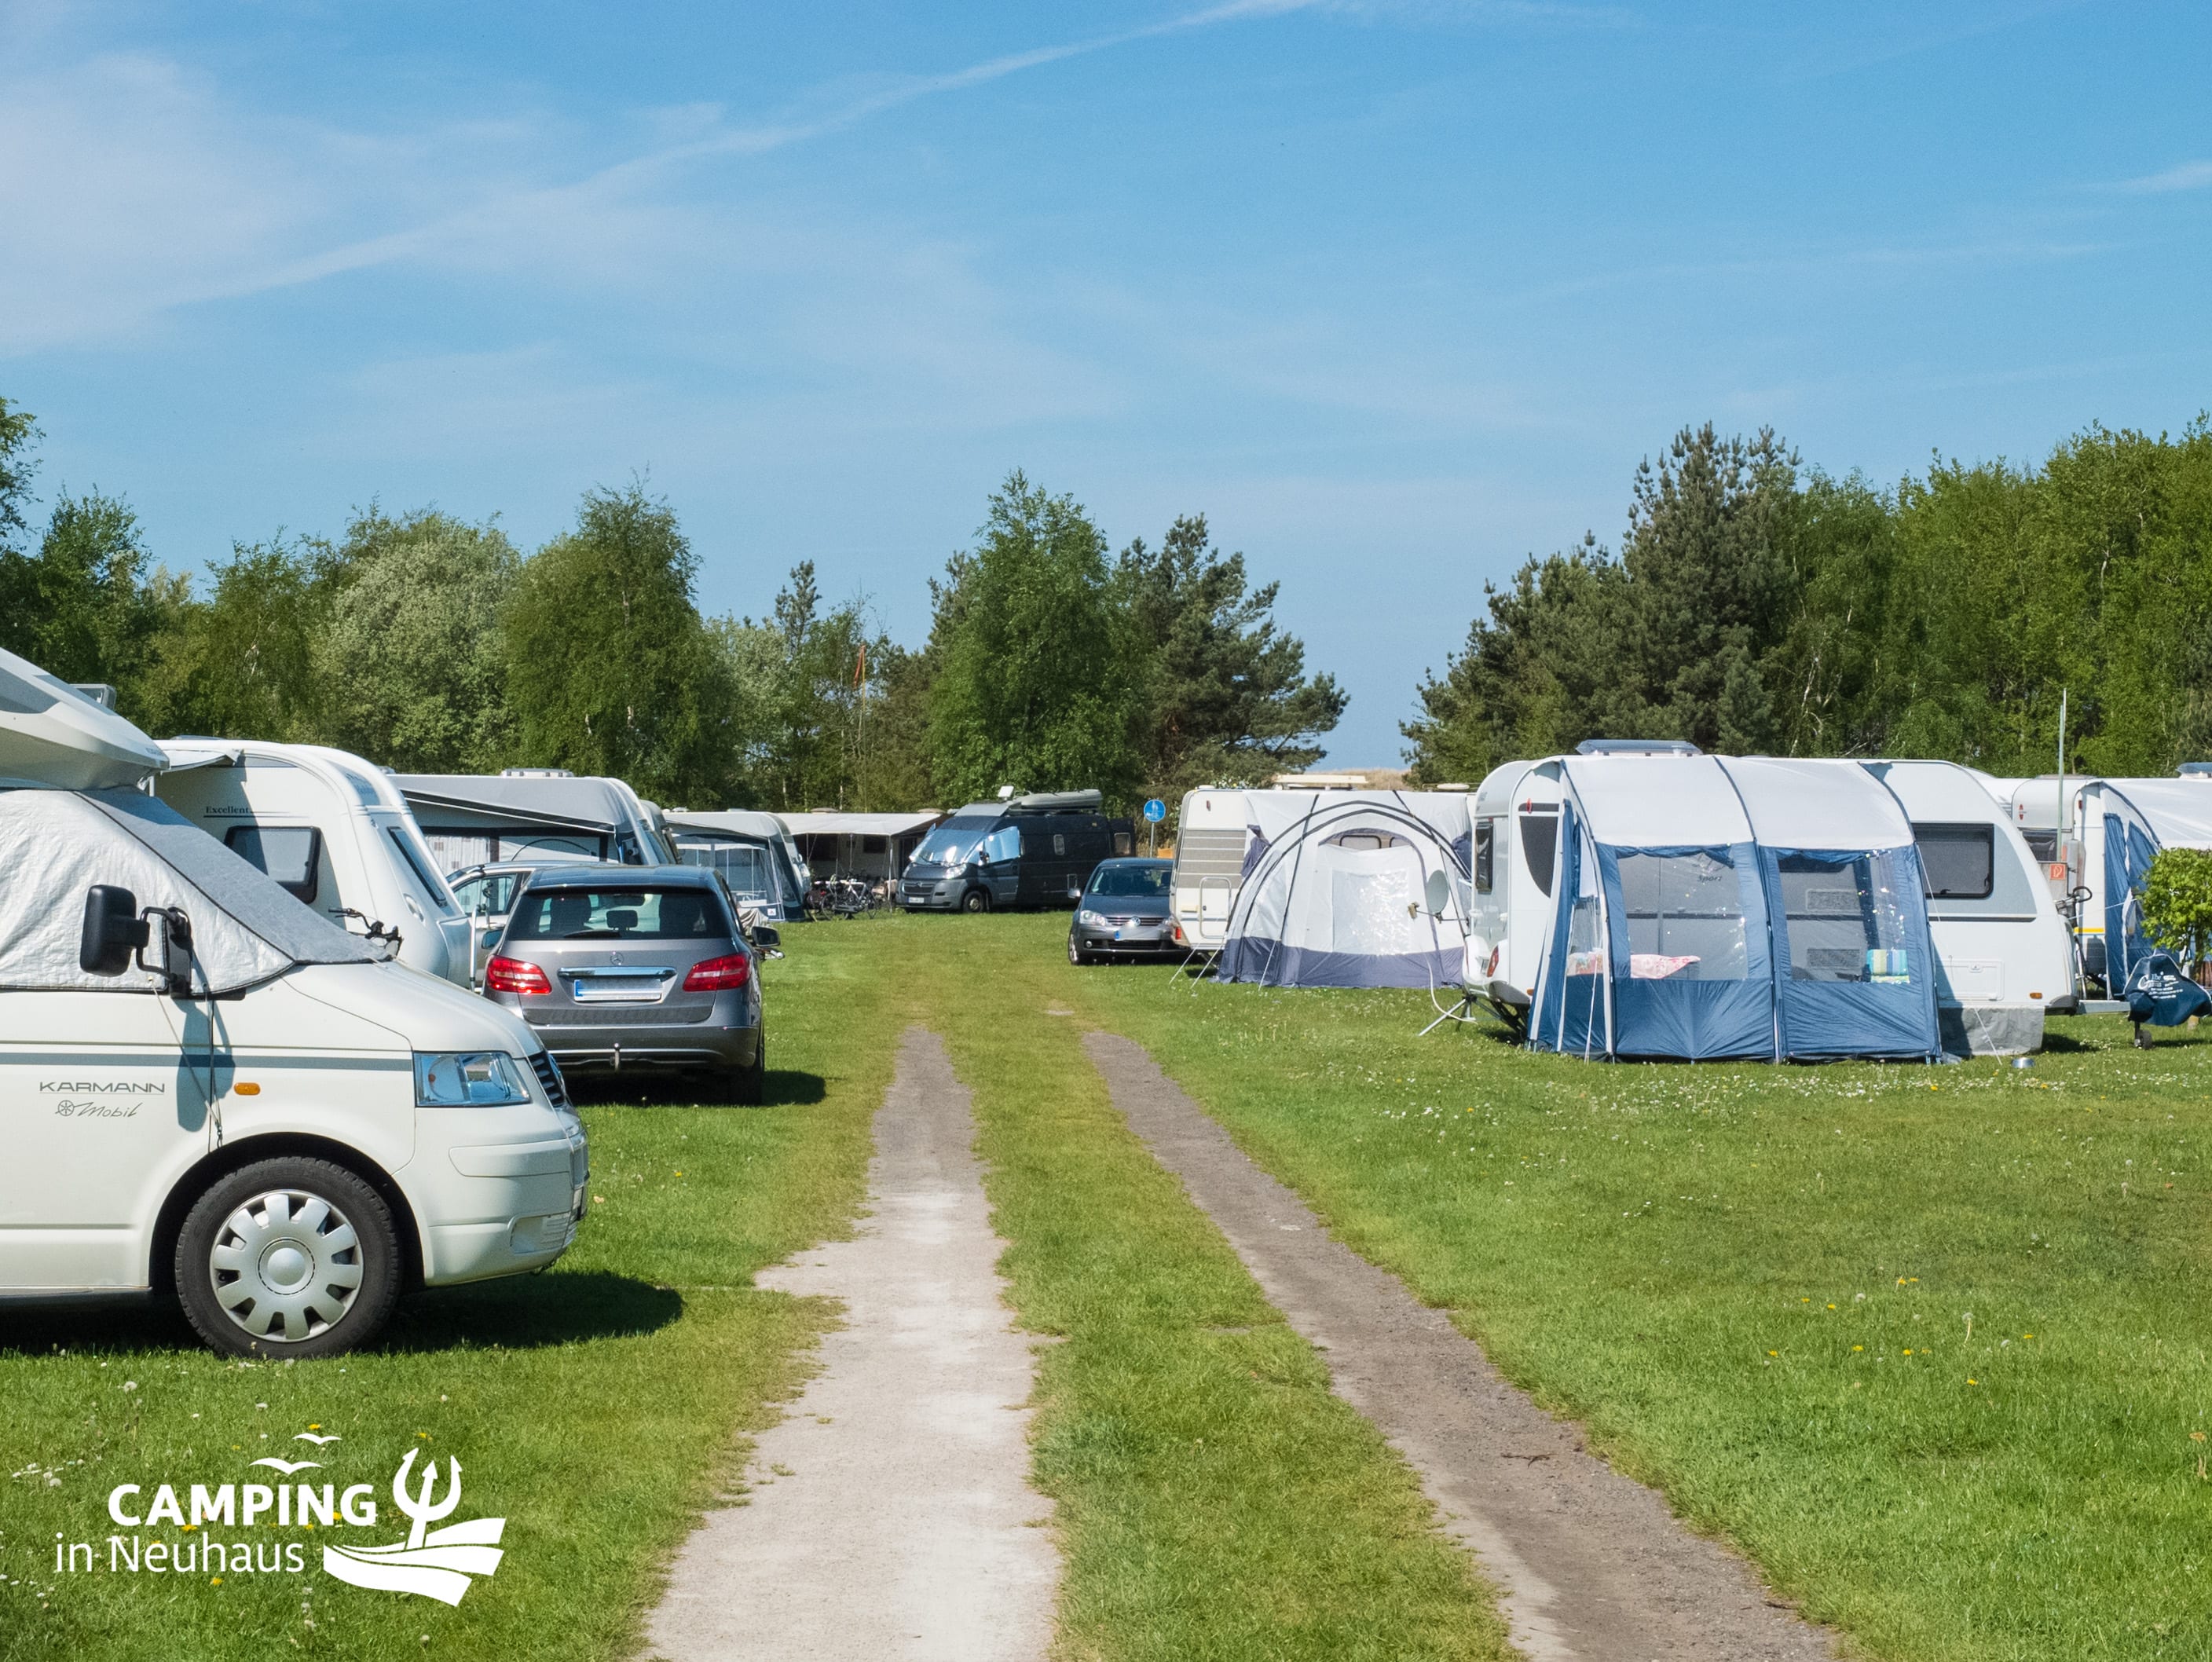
pixel 113 930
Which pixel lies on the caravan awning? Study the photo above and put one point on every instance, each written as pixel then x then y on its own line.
pixel 861 825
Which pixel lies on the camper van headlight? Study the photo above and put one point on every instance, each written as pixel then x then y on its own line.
pixel 467 1079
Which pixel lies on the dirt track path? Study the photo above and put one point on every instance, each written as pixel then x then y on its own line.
pixel 891 1516
pixel 1593 1565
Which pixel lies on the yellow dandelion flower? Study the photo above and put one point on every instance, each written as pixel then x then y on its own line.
pixel 1973 1381
pixel 1858 1347
pixel 1774 1353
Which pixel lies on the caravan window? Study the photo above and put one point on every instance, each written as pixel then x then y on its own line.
pixel 417 863
pixel 1485 832
pixel 292 854
pixel 1961 860
pixel 1844 917
pixel 1685 914
pixel 1540 840
pixel 1364 842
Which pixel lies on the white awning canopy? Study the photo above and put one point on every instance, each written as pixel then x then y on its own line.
pixel 861 825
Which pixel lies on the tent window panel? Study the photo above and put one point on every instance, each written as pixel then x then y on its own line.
pixel 1585 943
pixel 1364 842
pixel 1845 922
pixel 1540 843
pixel 1685 916
pixel 1961 860
pixel 1486 837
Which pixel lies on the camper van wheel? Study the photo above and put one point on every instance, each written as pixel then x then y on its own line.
pixel 975 900
pixel 288 1258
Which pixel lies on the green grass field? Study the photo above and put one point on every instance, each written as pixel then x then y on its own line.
pixel 1926 1341
pixel 1929 1342
pixel 593 1406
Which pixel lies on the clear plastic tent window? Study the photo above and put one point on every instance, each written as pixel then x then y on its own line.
pixel 1847 921
pixel 1685 917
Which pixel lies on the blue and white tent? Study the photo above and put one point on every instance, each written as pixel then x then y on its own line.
pixel 1335 889
pixel 1706 906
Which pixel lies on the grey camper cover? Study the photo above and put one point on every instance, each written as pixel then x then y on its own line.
pixel 55 845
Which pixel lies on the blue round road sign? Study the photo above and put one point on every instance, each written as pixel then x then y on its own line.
pixel 1156 810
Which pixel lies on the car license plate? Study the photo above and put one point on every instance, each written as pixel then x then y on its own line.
pixel 618 989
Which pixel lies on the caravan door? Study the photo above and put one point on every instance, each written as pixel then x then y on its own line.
pixel 97 1115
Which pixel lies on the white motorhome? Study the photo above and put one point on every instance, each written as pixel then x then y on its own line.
pixel 334 831
pixel 208 1091
pixel 2003 959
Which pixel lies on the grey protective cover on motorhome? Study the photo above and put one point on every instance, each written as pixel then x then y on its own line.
pixel 55 845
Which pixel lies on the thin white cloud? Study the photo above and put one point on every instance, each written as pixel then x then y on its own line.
pixel 130 189
pixel 2189 176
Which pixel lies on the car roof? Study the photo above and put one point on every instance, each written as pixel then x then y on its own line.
pixel 621 876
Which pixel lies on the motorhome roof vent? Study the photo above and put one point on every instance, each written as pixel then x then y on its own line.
pixel 1637 747
pixel 97 691
pixel 2196 770
pixel 1055 802
pixel 537 772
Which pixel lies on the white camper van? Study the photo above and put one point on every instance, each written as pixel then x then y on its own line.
pixel 208 1091
pixel 334 831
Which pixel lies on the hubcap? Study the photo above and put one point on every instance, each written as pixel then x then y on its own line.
pixel 286 1265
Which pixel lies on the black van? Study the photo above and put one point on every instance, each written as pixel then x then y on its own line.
pixel 1033 851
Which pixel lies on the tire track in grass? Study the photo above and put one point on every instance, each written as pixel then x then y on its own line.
pixel 1596 1568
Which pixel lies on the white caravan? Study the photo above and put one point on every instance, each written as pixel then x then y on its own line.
pixel 1212 830
pixel 533 816
pixel 208 1091
pixel 2003 957
pixel 334 831
pixel 1517 840
pixel 2095 845
pixel 755 853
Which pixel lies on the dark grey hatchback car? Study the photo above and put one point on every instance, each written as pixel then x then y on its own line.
pixel 637 966
pixel 1123 913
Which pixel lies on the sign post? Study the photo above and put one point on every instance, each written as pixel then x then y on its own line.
pixel 1155 812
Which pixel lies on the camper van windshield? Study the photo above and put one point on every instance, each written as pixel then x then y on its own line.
pixel 951 843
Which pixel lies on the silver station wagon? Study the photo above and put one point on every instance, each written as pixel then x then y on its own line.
pixel 636 967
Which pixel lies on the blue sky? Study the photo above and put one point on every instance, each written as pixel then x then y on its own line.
pixel 1395 293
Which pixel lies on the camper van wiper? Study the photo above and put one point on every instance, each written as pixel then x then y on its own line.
pixel 378 934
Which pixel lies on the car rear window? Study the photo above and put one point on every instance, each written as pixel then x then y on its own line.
pixel 579 913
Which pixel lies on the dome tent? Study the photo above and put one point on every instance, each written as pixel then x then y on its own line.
pixel 1707 907
pixel 1335 890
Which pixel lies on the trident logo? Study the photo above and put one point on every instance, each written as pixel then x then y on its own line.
pixel 422 1514
pixel 435 1563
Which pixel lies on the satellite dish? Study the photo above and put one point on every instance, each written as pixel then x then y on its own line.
pixel 1439 893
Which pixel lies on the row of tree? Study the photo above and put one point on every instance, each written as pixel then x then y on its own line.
pixel 432 645
pixel 1758 606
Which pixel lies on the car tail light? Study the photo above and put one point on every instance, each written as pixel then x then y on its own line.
pixel 719 975
pixel 514 976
